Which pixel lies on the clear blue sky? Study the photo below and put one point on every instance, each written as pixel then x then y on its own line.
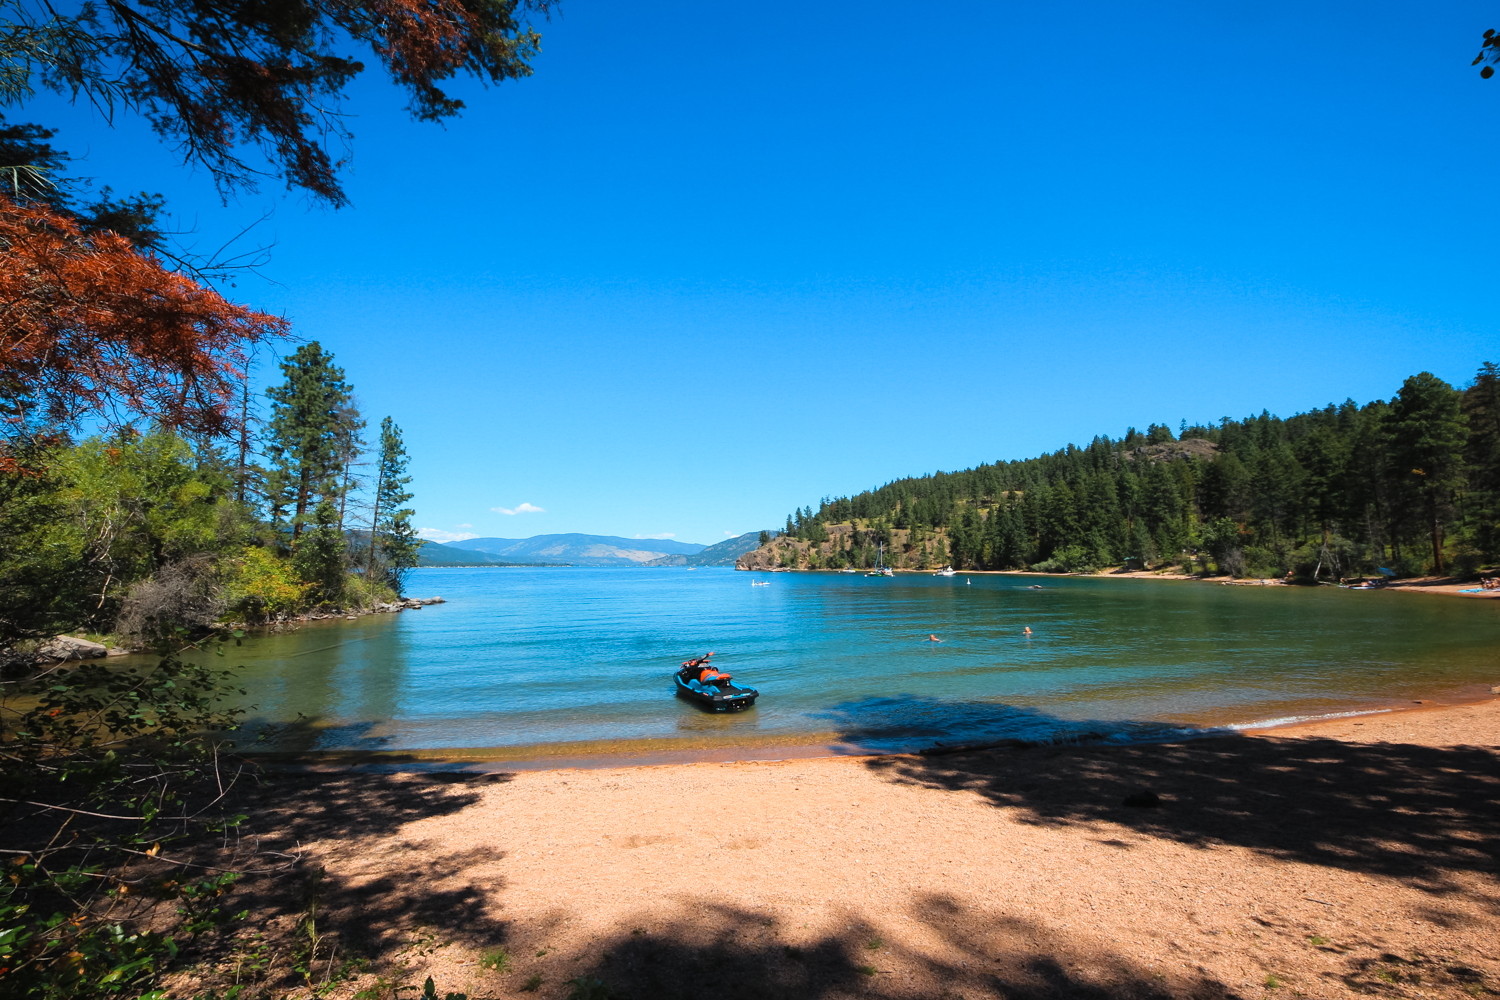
pixel 715 261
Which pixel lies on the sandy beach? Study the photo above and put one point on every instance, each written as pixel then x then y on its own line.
pixel 1350 856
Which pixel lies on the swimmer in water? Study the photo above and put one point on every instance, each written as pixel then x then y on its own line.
pixel 1028 630
pixel 933 638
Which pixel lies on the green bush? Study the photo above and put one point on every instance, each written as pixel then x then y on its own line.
pixel 258 586
pixel 1073 559
pixel 1261 561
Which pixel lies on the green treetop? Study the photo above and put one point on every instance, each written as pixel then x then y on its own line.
pixel 306 437
pixel 393 540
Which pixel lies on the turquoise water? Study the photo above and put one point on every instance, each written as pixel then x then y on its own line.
pixel 520 657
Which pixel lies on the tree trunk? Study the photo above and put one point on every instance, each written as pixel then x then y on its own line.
pixel 244 437
pixel 1437 543
pixel 302 493
pixel 375 519
pixel 344 490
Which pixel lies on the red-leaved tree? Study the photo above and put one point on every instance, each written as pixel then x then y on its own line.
pixel 90 327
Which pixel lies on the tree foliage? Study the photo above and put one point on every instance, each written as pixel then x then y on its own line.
pixel 81 524
pixel 1489 52
pixel 218 77
pixel 311 430
pixel 393 542
pixel 91 327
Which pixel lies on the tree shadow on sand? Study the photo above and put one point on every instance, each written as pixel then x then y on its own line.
pixel 1414 812
pixel 427 907
pixel 321 816
pixel 728 953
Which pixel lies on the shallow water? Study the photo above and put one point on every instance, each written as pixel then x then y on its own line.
pixel 521 657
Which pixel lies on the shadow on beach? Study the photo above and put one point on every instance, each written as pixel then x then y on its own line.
pixel 1414 812
pixel 426 901
pixel 729 953
pixel 1421 814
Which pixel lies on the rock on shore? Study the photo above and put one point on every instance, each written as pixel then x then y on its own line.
pixel 66 647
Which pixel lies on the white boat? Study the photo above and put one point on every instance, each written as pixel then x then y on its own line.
pixel 879 569
pixel 945 571
pixel 848 569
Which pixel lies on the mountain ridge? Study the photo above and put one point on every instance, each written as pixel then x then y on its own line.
pixel 576 549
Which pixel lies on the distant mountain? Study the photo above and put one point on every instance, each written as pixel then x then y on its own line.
pixel 575 549
pixel 433 554
pixel 726 552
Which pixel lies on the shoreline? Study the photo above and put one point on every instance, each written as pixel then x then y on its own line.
pixel 596 755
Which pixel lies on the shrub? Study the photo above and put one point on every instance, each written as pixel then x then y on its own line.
pixel 259 586
pixel 182 596
pixel 365 592
pixel 1467 561
pixel 1073 559
pixel 1261 561
pixel 89 744
pixel 1340 558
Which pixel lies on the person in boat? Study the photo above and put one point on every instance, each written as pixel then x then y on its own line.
pixel 706 671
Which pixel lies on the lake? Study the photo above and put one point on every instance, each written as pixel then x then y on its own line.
pixel 549 661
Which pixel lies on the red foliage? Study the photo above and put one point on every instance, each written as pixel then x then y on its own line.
pixel 92 327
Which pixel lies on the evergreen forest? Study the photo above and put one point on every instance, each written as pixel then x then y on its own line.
pixel 134 535
pixel 1408 486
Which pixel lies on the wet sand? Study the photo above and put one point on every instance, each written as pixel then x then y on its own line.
pixel 1349 856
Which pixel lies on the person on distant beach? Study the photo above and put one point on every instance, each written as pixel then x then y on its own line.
pixel 933 638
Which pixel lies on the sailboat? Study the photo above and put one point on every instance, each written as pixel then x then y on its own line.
pixel 880 569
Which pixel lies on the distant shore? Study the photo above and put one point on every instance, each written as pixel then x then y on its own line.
pixel 1442 585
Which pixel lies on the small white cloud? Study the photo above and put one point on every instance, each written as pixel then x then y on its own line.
pixel 729 534
pixel 463 526
pixel 525 508
pixel 439 535
pixel 664 534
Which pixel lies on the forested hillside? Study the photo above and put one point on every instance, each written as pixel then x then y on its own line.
pixel 1411 484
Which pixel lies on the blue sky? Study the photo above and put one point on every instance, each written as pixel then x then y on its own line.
pixel 713 262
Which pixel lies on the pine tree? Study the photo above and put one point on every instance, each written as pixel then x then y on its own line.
pixel 350 449
pixel 1482 407
pixel 393 540
pixel 1428 434
pixel 320 555
pixel 304 434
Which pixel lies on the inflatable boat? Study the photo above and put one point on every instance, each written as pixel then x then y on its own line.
pixel 699 682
